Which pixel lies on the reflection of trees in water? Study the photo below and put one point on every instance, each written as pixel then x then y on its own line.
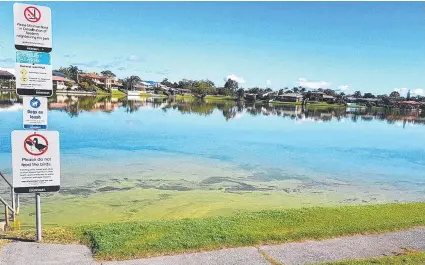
pixel 229 109
pixel 130 106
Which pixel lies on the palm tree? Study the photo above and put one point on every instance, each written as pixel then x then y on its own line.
pixel 73 72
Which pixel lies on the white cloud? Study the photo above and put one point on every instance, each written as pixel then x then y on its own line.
pixel 413 92
pixel 418 92
pixel 236 78
pixel 268 82
pixel 133 58
pixel 344 87
pixel 313 85
pixel 10 70
pixel 401 90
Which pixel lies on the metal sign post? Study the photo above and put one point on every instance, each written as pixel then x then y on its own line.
pixel 35 155
pixel 38 216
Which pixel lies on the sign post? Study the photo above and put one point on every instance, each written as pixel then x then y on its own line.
pixel 38 216
pixel 35 155
pixel 33 40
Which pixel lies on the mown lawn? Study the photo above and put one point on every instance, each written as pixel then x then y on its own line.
pixel 409 259
pixel 141 239
pixel 128 240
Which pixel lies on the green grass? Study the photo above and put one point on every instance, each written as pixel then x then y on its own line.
pixel 219 98
pixel 141 239
pixel 185 97
pixel 277 102
pixel 409 259
pixel 101 92
pixel 117 93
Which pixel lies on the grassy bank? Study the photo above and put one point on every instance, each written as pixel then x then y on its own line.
pixel 211 98
pixel 407 259
pixel 127 240
pixel 117 94
pixel 141 239
pixel 186 97
pixel 101 92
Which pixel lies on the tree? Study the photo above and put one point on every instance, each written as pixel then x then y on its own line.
pixel 68 84
pixel 87 80
pixel 166 83
pixel 329 92
pixel 72 72
pixel 108 73
pixel 255 90
pixel 232 85
pixel 85 85
pixel 394 94
pixel 295 89
pixel 240 93
pixel 131 81
pixel 280 92
pixel 357 94
pixel 267 90
pixel 368 95
pixel 203 87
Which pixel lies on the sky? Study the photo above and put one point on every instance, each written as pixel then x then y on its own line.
pixel 374 47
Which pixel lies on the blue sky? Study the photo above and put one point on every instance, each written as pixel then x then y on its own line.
pixel 368 46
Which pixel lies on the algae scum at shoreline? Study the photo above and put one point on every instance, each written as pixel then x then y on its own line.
pixel 155 199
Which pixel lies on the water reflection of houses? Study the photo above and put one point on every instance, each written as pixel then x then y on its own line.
pixel 76 104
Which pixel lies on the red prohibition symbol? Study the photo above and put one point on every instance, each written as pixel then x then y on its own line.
pixel 32 14
pixel 36 144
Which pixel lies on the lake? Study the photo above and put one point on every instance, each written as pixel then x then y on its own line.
pixel 145 158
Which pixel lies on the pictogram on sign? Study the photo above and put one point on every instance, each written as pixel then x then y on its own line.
pixel 36 144
pixel 32 14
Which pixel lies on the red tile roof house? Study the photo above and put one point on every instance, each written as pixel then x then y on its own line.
pixel 6 76
pixel 103 81
pixel 59 82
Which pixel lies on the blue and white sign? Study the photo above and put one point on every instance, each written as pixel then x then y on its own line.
pixel 33 57
pixel 35 112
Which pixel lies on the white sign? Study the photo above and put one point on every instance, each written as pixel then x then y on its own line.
pixel 33 27
pixel 35 161
pixel 33 79
pixel 35 113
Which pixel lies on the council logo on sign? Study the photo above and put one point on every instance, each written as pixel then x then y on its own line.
pixel 32 14
pixel 36 144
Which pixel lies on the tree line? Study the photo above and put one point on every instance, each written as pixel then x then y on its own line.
pixel 207 87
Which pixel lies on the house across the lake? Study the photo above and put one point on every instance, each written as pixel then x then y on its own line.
pixel 329 99
pixel 5 76
pixel 104 82
pixel 290 97
pixel 61 82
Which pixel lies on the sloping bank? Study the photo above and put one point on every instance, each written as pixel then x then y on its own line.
pixel 128 240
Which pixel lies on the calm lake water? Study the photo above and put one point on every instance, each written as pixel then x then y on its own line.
pixel 376 155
